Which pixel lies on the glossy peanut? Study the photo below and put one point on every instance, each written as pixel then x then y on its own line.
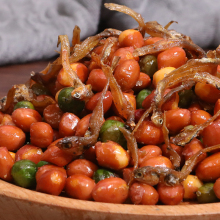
pixel 81 166
pixel 111 155
pixel 125 53
pixel 24 117
pixel 160 161
pixel 191 185
pixel 41 170
pixel 211 134
pixel 97 80
pixel 51 182
pixel 56 156
pixel 6 163
pixel 52 115
pixel 80 69
pixel 207 92
pixel 107 102
pixel 148 133
pixel 147 152
pixel 152 40
pixel 160 74
pixel 170 195
pixel 177 119
pixel 143 194
pixel 90 154
pixel 111 190
pixel 143 82
pixel 130 99
pixel 29 152
pixel 177 148
pixel 209 169
pixel 170 104
pixel 131 37
pixel 68 124
pixel 127 74
pixel 41 134
pixel 11 137
pixel 174 57
pixel 199 117
pixel 192 148
pixel 83 126
pixel 79 186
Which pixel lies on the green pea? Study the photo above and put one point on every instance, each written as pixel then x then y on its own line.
pixel 67 103
pixel 23 173
pixel 102 174
pixel 205 193
pixel 148 65
pixel 185 98
pixel 141 96
pixel 42 163
pixel 24 104
pixel 39 89
pixel 110 132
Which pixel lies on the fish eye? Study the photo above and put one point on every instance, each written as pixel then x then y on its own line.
pixel 139 174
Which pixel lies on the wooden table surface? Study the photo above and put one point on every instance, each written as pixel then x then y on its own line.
pixel 18 73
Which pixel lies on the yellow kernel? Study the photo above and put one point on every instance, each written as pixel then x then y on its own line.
pixel 12 155
pixel 125 33
pixel 160 74
pixel 191 185
pixel 121 156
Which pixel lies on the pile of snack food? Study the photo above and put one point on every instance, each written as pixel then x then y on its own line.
pixel 122 117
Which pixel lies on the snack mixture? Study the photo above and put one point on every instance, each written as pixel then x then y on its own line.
pixel 122 117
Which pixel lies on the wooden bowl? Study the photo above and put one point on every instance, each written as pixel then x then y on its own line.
pixel 23 204
pixel 19 203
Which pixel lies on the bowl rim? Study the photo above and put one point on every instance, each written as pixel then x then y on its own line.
pixel 16 193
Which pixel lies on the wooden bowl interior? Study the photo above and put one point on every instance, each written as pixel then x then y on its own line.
pixel 20 203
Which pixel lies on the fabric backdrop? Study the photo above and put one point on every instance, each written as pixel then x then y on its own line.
pixel 29 28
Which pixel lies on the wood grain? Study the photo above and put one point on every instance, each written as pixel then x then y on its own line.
pixel 23 204
pixel 16 74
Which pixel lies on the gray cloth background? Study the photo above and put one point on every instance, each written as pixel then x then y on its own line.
pixel 29 28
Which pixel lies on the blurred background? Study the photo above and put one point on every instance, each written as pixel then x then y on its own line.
pixel 29 28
